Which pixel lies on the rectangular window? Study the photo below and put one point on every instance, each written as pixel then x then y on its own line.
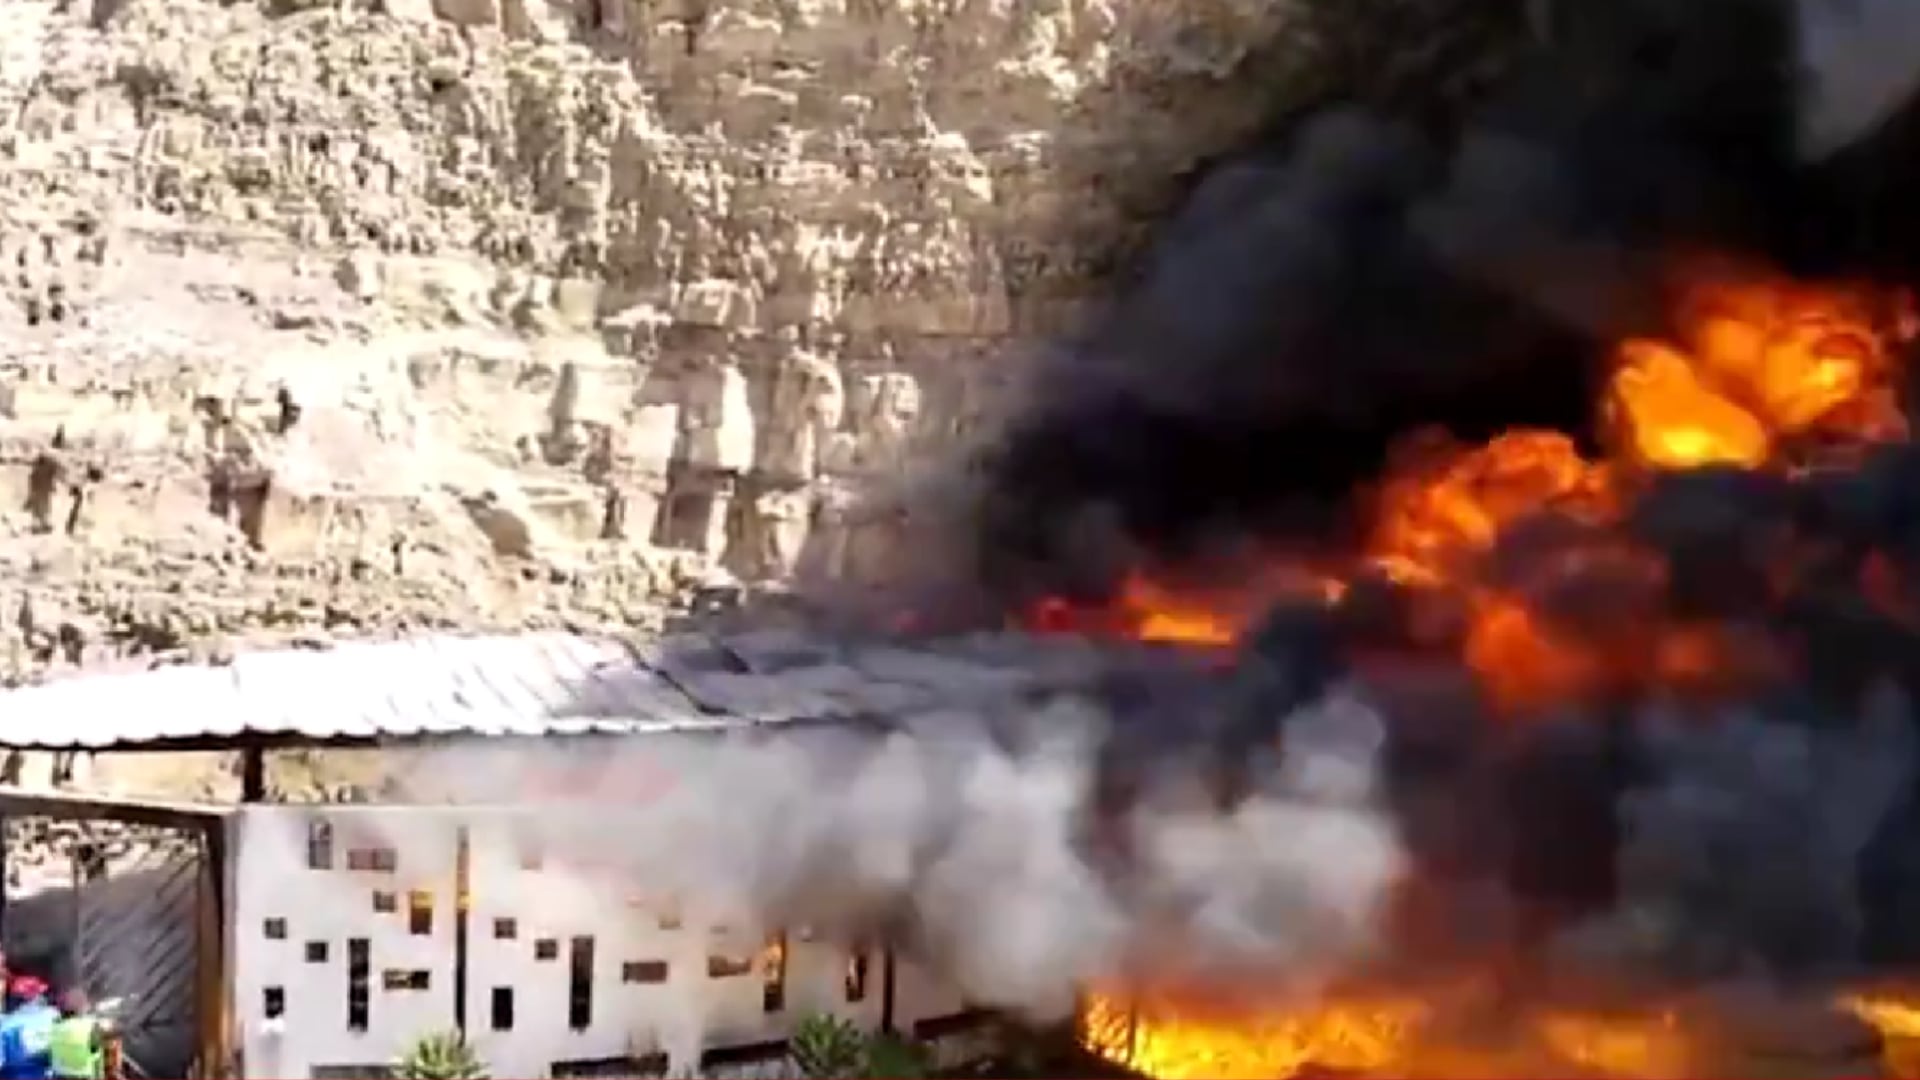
pixel 505 929
pixel 857 976
pixel 580 983
pixel 546 948
pixel 319 845
pixel 727 967
pixel 316 952
pixel 643 971
pixel 730 1058
pixel 274 929
pixel 384 902
pixel 420 913
pixel 773 975
pixel 273 1002
pixel 941 1027
pixel 359 972
pixel 620 1068
pixel 501 1009
pixel 377 860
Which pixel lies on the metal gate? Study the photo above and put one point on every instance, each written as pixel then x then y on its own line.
pixel 122 900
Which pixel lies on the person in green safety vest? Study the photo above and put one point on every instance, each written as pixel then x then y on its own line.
pixel 78 1050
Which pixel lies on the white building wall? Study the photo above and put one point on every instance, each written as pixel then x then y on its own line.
pixel 296 920
pixel 530 903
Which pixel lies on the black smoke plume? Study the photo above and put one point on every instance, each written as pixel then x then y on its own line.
pixel 1355 277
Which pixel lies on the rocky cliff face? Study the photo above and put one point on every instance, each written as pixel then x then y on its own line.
pixel 345 317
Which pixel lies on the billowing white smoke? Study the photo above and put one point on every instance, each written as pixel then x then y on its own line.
pixel 982 848
pixel 1860 62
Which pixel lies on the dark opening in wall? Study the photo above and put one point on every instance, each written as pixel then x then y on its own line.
pixel 420 913
pixel 857 965
pixel 546 948
pixel 644 971
pixel 773 986
pixel 274 929
pixel 580 983
pixel 505 929
pixel 316 952
pixel 406 979
pixel 273 1002
pixel 351 1072
pixel 654 1064
pixel 359 972
pixel 744 1054
pixel 384 902
pixel 378 860
pixel 727 967
pixel 954 1024
pixel 319 846
pixel 500 1009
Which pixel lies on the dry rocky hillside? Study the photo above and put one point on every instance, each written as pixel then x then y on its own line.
pixel 365 316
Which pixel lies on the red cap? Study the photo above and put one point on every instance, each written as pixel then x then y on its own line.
pixel 26 986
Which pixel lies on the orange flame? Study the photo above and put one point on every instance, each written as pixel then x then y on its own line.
pixel 1385 1035
pixel 1754 370
pixel 1753 363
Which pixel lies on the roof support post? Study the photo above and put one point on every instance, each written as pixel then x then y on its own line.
pixel 253 772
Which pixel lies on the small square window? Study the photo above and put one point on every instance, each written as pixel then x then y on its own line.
pixel 385 903
pixel 546 948
pixel 274 929
pixel 316 952
pixel 273 1002
pixel 505 929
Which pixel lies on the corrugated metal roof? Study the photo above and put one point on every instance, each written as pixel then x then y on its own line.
pixel 525 684
pixel 534 684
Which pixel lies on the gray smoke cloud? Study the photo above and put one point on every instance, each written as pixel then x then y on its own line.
pixel 980 848
pixel 1741 854
pixel 1860 62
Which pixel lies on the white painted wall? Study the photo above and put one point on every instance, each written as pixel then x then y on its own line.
pixel 552 899
pixel 332 907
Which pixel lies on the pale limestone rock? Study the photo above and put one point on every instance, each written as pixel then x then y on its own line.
pixel 783 519
pixel 570 299
pixel 809 405
pixel 718 419
pixel 889 421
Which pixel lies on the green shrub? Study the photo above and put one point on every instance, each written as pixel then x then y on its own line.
pixel 827 1047
pixel 890 1057
pixel 444 1055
